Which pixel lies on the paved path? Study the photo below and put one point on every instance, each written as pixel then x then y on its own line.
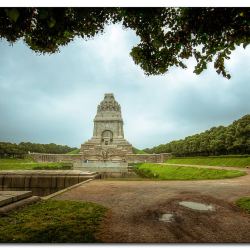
pixel 135 208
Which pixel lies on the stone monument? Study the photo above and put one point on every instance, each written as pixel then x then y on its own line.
pixel 108 143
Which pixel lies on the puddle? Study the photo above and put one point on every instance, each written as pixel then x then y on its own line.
pixel 166 217
pixel 197 206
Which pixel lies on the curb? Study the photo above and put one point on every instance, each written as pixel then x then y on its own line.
pixel 18 204
pixel 64 190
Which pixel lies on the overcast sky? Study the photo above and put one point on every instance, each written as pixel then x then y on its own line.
pixel 53 98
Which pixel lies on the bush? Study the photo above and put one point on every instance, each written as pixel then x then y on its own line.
pixel 62 166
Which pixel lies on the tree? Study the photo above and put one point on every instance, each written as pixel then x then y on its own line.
pixel 8 149
pixel 168 36
pixel 233 139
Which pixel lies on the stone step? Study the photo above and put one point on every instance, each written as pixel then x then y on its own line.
pixel 89 177
pixel 7 197
pixel 15 205
pixel 47 172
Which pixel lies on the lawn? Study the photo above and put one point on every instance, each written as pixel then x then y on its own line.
pixel 52 221
pixel 244 203
pixel 75 151
pixel 227 161
pixel 29 164
pixel 165 172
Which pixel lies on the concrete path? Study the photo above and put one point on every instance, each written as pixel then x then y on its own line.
pixel 136 206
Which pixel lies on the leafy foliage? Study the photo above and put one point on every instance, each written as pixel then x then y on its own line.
pixel 52 221
pixel 234 139
pixel 165 172
pixel 168 36
pixel 8 149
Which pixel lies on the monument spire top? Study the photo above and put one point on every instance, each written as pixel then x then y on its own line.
pixel 109 104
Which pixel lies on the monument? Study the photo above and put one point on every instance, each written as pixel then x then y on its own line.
pixel 108 143
pixel 107 151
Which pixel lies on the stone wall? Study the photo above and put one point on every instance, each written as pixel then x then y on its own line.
pixel 139 158
pixel 130 158
pixel 56 157
pixel 41 182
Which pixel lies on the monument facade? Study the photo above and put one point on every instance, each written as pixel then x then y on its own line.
pixel 107 150
pixel 108 142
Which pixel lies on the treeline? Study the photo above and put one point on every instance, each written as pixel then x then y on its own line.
pixel 8 149
pixel 233 139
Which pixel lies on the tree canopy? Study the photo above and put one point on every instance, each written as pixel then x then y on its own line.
pixel 233 139
pixel 168 36
pixel 8 149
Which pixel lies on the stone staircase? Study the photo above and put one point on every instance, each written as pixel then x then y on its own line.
pixel 10 200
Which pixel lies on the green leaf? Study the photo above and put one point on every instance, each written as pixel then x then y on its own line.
pixel 245 45
pixel 43 13
pixel 66 33
pixel 13 14
pixel 52 22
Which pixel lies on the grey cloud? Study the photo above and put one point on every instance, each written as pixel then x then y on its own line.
pixel 53 98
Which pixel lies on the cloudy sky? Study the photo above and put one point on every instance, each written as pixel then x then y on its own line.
pixel 53 98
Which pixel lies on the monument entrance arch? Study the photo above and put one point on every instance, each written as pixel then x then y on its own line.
pixel 107 137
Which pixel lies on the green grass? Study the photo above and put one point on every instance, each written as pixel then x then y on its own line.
pixel 138 151
pixel 52 221
pixel 165 172
pixel 244 203
pixel 29 164
pixel 76 151
pixel 226 161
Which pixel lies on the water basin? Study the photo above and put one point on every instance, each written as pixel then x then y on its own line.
pixel 166 217
pixel 197 206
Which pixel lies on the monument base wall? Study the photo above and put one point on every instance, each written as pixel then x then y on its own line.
pixel 101 167
pixel 39 157
pixel 128 158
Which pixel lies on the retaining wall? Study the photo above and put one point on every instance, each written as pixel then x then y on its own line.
pixel 129 158
pixel 42 182
pixel 139 158
pixel 56 157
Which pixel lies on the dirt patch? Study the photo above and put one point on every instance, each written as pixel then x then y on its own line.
pixel 135 208
pixel 227 224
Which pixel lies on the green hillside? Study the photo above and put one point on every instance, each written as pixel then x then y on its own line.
pixel 75 151
pixel 138 151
